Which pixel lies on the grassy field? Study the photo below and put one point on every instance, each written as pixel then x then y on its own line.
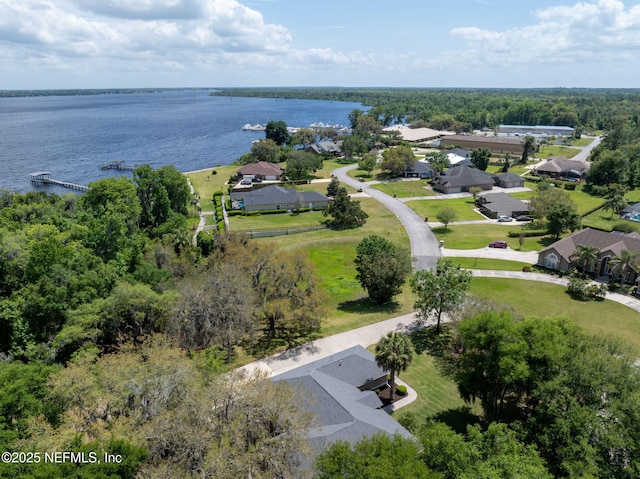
pixel 488 263
pixel 281 221
pixel 405 188
pixel 463 207
pixel 546 151
pixel 479 236
pixel 530 298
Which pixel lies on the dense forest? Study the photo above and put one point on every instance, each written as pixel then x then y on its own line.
pixel 465 109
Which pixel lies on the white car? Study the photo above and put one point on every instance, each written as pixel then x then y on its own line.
pixel 504 219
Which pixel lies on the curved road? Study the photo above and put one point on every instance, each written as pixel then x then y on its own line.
pixel 424 244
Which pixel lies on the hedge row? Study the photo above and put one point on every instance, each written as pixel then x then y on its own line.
pixel 526 233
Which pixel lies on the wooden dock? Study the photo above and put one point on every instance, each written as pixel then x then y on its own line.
pixel 41 178
pixel 117 165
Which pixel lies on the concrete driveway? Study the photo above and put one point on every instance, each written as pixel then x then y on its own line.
pixel 424 244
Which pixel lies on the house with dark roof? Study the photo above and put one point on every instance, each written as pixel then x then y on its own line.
pixel 274 197
pixel 501 204
pixel 460 178
pixel 562 168
pixel 263 170
pixel 559 255
pixel 509 180
pixel 325 147
pixel 339 391
pixel 459 156
pixel 420 169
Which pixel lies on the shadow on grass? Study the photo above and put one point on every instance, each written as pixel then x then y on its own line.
pixel 366 306
pixel 441 230
pixel 429 341
pixel 458 419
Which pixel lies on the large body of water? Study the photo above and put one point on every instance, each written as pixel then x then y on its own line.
pixel 72 136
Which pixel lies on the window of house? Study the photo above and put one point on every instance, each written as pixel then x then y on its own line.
pixel 551 261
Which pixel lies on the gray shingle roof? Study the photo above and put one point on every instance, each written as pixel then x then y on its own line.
pixel 464 176
pixel 343 412
pixel 602 240
pixel 273 194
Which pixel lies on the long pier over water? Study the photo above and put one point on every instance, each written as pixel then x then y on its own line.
pixel 40 178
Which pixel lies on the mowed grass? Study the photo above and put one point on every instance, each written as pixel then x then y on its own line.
pixel 479 236
pixel 282 221
pixel 405 188
pixel 488 263
pixel 206 184
pixel 463 207
pixel 534 299
pixel 546 151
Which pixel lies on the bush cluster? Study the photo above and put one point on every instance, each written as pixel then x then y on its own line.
pixel 582 290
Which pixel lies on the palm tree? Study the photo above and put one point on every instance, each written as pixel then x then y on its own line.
pixel 615 204
pixel 394 354
pixel 627 260
pixel 586 256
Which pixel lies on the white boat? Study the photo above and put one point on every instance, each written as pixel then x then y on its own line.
pixel 256 127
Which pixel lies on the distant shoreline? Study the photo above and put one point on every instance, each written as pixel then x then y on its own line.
pixel 91 91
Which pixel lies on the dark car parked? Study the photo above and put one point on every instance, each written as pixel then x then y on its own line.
pixel 524 218
pixel 498 244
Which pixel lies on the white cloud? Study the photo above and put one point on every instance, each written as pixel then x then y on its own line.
pixel 596 31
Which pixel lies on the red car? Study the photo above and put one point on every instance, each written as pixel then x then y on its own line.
pixel 498 244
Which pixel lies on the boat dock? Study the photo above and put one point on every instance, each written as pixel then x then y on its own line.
pixel 117 165
pixel 41 178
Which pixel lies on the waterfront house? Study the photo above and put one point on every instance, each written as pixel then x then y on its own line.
pixel 263 170
pixel 274 197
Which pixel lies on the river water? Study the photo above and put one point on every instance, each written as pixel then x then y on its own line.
pixel 72 136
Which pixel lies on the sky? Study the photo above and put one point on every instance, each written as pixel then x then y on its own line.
pixel 56 44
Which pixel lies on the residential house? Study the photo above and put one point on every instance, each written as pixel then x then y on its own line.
pixel 509 180
pixel 501 204
pixel 460 178
pixel 562 168
pixel 274 197
pixel 559 254
pixel 420 169
pixel 459 156
pixel 325 147
pixel 339 391
pixel 263 170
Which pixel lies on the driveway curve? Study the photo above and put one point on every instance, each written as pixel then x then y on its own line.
pixel 424 244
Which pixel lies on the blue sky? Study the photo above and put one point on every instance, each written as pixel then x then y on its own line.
pixel 406 43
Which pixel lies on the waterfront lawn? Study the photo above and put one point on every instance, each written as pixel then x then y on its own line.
pixel 489 263
pixel 280 221
pixel 463 207
pixel 534 299
pixel 405 188
pixel 206 184
pixel 480 235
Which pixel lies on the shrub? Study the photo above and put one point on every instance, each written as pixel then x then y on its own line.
pixel 526 269
pixel 401 390
pixel 570 186
pixel 214 172
pixel 526 233
pixel 624 227
pixel 581 290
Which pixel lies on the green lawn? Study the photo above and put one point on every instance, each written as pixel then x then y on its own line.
pixel 531 298
pixel 556 150
pixel 405 188
pixel 463 207
pixel 488 263
pixel 479 236
pixel 205 183
pixel 276 222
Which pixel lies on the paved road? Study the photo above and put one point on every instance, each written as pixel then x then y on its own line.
pixel 424 244
pixel 586 151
